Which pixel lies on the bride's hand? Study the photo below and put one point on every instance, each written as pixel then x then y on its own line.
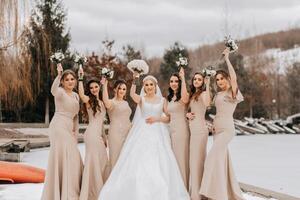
pixel 151 120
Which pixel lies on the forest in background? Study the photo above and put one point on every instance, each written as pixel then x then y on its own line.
pixel 27 73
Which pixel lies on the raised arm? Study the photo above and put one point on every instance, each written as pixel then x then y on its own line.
pixel 184 92
pixel 107 102
pixel 55 89
pixel 206 97
pixel 232 74
pixel 83 97
pixel 136 98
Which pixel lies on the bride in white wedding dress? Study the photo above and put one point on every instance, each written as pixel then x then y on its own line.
pixel 146 169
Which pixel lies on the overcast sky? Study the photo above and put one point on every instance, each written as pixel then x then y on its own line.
pixel 153 25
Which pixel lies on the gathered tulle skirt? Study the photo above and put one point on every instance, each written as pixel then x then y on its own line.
pixel 147 168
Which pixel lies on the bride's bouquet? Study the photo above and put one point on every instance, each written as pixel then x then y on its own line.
pixel 107 73
pixel 139 66
pixel 182 61
pixel 209 71
pixel 231 44
pixel 80 60
pixel 57 57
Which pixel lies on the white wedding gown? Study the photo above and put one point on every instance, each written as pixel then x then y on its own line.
pixel 146 169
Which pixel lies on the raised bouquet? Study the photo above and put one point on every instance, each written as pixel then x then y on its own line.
pixel 209 71
pixel 57 57
pixel 80 60
pixel 107 73
pixel 231 44
pixel 139 66
pixel 182 61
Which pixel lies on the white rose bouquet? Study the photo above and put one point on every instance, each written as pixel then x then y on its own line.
pixel 139 66
pixel 57 57
pixel 231 44
pixel 182 61
pixel 107 73
pixel 209 71
pixel 80 60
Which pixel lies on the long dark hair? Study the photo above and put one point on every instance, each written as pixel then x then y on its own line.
pixel 118 83
pixel 224 74
pixel 93 101
pixel 172 93
pixel 194 93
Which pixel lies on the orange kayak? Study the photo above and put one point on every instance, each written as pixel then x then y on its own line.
pixel 20 173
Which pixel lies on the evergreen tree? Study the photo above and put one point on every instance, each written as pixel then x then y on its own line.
pixel 47 34
pixel 130 53
pixel 168 66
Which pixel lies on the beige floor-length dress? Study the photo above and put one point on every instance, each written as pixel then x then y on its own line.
pixel 179 132
pixel 198 143
pixel 219 182
pixel 119 115
pixel 63 175
pixel 96 160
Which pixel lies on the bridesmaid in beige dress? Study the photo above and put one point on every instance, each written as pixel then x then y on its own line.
pixel 119 114
pixel 95 163
pixel 63 175
pixel 177 103
pixel 199 100
pixel 219 182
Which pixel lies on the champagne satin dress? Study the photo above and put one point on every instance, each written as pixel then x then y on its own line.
pixel 179 132
pixel 119 115
pixel 63 175
pixel 219 182
pixel 96 160
pixel 198 143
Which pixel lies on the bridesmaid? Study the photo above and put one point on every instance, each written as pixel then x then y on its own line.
pixel 199 100
pixel 63 175
pixel 177 103
pixel 119 114
pixel 219 182
pixel 95 163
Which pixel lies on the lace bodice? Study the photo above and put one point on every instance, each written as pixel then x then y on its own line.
pixel 151 109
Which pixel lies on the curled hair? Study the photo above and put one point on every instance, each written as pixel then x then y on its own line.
pixel 172 93
pixel 93 101
pixel 194 93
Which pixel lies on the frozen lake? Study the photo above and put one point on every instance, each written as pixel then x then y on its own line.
pixel 268 161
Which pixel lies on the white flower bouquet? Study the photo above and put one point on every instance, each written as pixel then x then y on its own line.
pixel 209 71
pixel 231 44
pixel 80 60
pixel 57 57
pixel 182 61
pixel 107 73
pixel 139 66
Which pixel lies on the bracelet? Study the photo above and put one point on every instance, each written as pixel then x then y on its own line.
pixel 80 79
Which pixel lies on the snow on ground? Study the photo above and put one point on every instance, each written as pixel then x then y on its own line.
pixel 34 192
pixel 268 161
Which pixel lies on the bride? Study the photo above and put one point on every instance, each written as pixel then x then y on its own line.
pixel 146 169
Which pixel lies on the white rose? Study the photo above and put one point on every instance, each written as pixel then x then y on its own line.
pixel 104 70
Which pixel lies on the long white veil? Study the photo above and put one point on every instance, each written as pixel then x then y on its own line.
pixel 138 112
